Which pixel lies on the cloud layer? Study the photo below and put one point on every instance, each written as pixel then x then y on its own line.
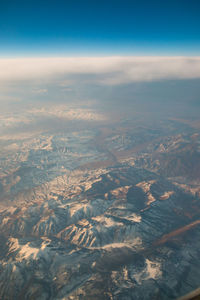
pixel 101 70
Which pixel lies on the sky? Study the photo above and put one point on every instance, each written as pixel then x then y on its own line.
pixel 97 51
pixel 99 27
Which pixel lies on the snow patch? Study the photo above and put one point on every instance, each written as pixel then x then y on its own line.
pixel 107 222
pixel 152 271
pixel 146 187
pixel 166 195
pixel 134 217
pixel 25 251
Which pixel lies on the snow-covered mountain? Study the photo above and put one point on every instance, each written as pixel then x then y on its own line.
pixel 105 213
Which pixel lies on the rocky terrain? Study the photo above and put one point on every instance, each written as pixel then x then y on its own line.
pixel 111 212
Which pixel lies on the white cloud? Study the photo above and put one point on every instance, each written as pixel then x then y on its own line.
pixel 40 91
pixel 102 70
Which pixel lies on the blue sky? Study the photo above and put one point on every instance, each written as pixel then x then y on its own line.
pixel 112 27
